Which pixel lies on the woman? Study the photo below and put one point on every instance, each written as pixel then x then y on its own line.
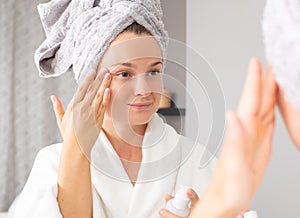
pixel 118 158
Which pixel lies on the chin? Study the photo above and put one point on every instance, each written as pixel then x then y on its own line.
pixel 140 117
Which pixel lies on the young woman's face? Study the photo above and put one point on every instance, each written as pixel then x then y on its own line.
pixel 135 63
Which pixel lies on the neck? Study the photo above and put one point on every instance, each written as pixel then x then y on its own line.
pixel 125 139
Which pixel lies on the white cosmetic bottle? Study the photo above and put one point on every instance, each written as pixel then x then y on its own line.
pixel 179 205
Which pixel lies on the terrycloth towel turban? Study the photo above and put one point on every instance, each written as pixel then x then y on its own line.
pixel 78 32
pixel 281 28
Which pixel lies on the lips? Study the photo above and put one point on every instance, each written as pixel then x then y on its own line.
pixel 141 106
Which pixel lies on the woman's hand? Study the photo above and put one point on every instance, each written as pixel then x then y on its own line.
pixel 246 150
pixel 79 127
pixel 192 195
pixel 81 123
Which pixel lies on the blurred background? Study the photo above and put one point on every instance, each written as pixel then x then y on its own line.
pixel 226 33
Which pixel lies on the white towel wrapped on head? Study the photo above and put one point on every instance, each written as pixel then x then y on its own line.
pixel 79 31
pixel 281 28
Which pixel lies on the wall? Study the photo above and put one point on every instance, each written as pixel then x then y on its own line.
pixel 175 22
pixel 227 34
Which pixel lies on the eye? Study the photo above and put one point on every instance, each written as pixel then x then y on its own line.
pixel 153 73
pixel 123 74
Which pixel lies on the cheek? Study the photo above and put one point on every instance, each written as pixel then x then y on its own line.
pixel 120 95
pixel 119 89
pixel 156 85
pixel 122 92
pixel 157 97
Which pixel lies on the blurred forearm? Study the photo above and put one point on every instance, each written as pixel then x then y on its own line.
pixel 74 183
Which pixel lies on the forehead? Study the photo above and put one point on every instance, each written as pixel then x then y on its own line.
pixel 128 47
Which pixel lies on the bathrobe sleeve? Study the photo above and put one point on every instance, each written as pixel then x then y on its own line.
pixel 39 196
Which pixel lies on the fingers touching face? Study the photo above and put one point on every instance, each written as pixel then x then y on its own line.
pixel 135 64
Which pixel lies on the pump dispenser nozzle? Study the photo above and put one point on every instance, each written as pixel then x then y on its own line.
pixel 179 205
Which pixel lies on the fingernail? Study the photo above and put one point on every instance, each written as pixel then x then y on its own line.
pixel 104 70
pixel 106 92
pixel 92 75
pixel 162 212
pixel 107 76
pixel 53 99
pixel 254 59
pixel 191 193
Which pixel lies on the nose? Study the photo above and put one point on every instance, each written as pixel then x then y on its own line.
pixel 142 87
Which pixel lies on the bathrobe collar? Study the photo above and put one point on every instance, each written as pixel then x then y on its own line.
pixel 158 170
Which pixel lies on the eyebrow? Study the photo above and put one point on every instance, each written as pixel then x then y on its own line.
pixel 127 64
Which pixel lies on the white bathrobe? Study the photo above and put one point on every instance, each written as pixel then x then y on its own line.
pixel 169 161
